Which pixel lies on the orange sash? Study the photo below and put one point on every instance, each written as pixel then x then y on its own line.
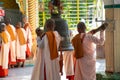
pixel 4 36
pixel 27 25
pixel 10 31
pixel 78 47
pixel 21 36
pixel 52 45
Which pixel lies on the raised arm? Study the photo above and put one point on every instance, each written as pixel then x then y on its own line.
pixel 98 41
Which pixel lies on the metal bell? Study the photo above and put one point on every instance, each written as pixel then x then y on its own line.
pixel 55 7
pixel 62 27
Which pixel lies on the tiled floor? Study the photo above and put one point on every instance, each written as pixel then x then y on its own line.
pixel 100 65
pixel 25 73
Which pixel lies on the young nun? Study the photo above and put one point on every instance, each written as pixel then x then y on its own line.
pixel 4 50
pixel 21 41
pixel 47 63
pixel 11 30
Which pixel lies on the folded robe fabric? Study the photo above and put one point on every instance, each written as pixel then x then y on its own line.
pixel 78 47
pixel 21 36
pixel 3 35
pixel 52 45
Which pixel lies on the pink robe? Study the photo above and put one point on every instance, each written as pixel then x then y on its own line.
pixel 29 36
pixel 45 68
pixel 12 54
pixel 20 49
pixel 68 63
pixel 85 68
pixel 4 53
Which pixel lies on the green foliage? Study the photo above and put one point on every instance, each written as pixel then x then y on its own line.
pixel 107 76
pixel 72 13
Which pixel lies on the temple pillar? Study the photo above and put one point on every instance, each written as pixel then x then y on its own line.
pixel 112 43
pixel 33 19
pixel 30 9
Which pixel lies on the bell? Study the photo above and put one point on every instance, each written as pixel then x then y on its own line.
pixel 61 27
pixel 55 7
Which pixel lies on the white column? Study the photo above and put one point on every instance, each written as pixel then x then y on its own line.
pixel 112 43
pixel 33 19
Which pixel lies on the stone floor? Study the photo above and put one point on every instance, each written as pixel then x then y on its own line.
pixel 25 73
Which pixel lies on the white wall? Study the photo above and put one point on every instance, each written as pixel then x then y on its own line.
pixel 108 2
pixel 117 1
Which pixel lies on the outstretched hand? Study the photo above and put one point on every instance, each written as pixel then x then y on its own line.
pixel 101 28
pixel 104 26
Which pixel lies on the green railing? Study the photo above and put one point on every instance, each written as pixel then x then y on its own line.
pixel 73 11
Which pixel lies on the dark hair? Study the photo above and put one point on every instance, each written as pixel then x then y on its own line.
pixel 37 30
pixel 2 26
pixel 19 23
pixel 82 26
pixel 50 24
pixel 7 20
